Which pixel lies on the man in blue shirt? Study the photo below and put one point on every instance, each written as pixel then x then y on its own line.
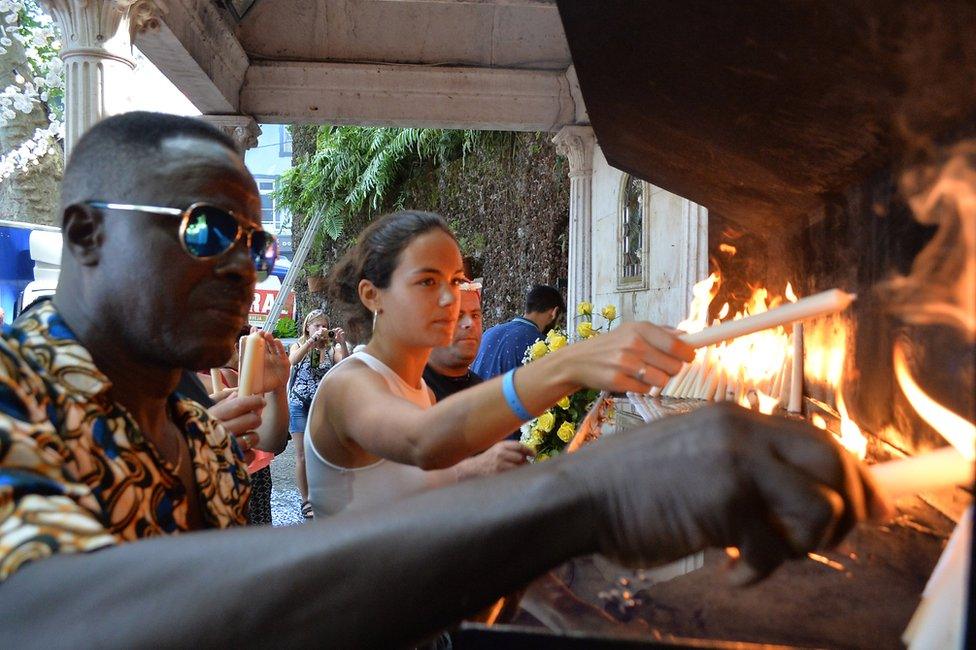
pixel 503 346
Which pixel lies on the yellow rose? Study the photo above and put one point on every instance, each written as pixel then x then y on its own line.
pixel 563 403
pixel 536 438
pixel 538 350
pixel 551 333
pixel 566 431
pixel 546 422
pixel 585 329
pixel 541 457
pixel 557 342
pixel 609 312
pixel 584 309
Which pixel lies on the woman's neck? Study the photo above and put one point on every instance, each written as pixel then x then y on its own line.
pixel 407 362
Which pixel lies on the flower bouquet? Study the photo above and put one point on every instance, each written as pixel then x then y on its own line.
pixel 549 433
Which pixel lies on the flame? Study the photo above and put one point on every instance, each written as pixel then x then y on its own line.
pixel 819 421
pixel 702 295
pixel 825 348
pixel 752 364
pixel 767 403
pixel 789 293
pixel 755 369
pixel 850 434
pixel 728 249
pixel 957 430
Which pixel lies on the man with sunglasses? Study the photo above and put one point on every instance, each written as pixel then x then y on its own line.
pixel 103 469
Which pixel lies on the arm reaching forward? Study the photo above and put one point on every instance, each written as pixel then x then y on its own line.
pixel 719 477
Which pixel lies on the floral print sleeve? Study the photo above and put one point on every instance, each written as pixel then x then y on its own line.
pixel 41 511
pixel 76 472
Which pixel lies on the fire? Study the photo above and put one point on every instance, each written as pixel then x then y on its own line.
pixel 728 249
pixel 850 434
pixel 755 370
pixel 957 430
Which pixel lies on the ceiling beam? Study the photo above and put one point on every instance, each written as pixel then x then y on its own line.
pixel 196 50
pixel 408 96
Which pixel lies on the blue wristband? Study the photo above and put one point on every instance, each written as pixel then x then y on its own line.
pixel 514 403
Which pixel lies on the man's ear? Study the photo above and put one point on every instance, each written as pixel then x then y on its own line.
pixel 553 315
pixel 83 231
pixel 369 294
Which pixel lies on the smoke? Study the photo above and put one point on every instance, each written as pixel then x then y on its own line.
pixel 940 289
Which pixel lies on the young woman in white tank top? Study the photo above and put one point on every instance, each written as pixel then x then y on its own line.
pixel 374 434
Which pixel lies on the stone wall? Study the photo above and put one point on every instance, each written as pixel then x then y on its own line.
pixel 509 207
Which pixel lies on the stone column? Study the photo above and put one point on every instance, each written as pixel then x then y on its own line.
pixel 242 129
pixel 576 144
pixel 86 26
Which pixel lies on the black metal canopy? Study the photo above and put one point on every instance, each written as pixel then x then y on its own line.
pixel 763 110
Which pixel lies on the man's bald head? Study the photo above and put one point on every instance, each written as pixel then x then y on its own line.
pixel 123 152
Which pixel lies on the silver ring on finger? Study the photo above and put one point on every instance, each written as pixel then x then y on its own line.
pixel 641 373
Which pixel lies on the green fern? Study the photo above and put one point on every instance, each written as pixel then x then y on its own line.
pixel 357 169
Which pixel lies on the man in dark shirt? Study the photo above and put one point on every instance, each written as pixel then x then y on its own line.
pixel 449 367
pixel 504 345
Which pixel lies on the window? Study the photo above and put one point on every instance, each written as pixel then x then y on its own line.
pixel 266 185
pixel 284 141
pixel 632 234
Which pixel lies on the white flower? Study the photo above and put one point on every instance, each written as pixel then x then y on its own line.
pixel 6 42
pixel 11 18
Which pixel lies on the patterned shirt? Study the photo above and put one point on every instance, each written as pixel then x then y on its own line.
pixel 76 473
pixel 308 373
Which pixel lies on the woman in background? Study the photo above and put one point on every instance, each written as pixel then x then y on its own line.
pixel 316 352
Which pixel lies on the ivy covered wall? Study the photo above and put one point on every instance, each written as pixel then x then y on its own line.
pixel 508 205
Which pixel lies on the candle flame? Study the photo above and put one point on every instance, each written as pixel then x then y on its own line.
pixel 729 249
pixel 954 428
pixel 789 293
pixel 850 434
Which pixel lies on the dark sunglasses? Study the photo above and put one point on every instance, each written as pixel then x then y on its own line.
pixel 208 231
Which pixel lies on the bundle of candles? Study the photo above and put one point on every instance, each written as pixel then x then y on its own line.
pixel 933 470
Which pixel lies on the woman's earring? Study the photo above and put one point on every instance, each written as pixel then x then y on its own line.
pixel 376 313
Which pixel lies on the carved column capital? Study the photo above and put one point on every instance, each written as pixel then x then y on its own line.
pixel 86 25
pixel 242 129
pixel 576 143
pixel 143 15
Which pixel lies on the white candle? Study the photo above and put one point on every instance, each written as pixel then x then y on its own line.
pixel 821 304
pixel 938 621
pixel 216 383
pixel 796 380
pixel 722 383
pixel 934 470
pixel 252 365
pixel 784 391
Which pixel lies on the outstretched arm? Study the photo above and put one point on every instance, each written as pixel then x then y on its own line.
pixel 381 580
pixel 632 357
pixel 720 477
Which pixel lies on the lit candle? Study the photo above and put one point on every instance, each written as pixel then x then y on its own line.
pixel 796 380
pixel 934 470
pixel 821 304
pixel 252 364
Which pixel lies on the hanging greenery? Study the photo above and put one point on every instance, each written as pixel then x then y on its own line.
pixel 360 169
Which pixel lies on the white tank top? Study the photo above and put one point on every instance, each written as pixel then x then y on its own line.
pixel 333 489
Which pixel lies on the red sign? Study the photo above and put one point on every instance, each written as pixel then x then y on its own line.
pixel 263 302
